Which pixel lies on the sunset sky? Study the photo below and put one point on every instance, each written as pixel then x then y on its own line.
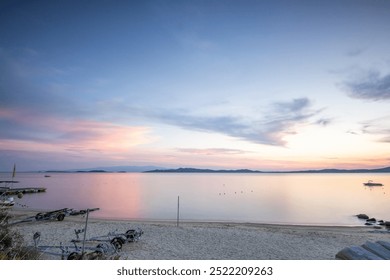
pixel 265 85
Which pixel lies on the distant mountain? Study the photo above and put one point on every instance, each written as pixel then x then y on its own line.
pixel 112 169
pixel 196 170
pixel 155 169
pixel 378 170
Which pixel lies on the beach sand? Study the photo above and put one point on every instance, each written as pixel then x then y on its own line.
pixel 206 240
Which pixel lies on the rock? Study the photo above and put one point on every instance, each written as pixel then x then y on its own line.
pixel 377 227
pixel 363 216
pixel 371 220
pixel 387 224
pixel 368 224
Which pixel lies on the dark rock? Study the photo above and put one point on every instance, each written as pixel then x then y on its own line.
pixel 387 224
pixel 371 220
pixel 363 216
pixel 368 224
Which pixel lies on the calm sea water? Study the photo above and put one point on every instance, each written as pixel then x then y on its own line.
pixel 323 199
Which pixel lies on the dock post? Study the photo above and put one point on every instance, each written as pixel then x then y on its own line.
pixel 178 211
pixel 85 233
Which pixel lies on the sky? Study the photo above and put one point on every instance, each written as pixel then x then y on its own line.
pixel 264 85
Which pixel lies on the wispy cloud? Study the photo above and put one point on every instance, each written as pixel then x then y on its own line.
pixel 23 130
pixel 270 128
pixel 386 139
pixel 378 127
pixel 323 121
pixel 213 151
pixel 35 103
pixel 373 86
pixel 284 119
pixel 355 52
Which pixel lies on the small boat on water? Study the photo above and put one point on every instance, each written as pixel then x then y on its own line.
pixel 370 183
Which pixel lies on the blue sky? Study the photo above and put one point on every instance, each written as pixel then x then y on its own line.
pixel 268 85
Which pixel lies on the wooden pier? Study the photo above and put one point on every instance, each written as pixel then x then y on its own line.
pixel 16 191
pixel 379 250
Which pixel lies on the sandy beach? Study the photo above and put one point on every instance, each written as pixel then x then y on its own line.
pixel 206 240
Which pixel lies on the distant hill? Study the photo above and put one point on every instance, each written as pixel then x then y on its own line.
pixel 196 170
pixel 111 169
pixel 378 170
pixel 155 169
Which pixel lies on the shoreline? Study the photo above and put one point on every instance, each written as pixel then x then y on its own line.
pixel 163 240
pixel 32 212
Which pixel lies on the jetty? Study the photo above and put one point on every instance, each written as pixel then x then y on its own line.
pixel 15 191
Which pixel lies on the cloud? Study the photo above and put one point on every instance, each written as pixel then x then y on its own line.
pixel 213 151
pixel 103 136
pixel 323 121
pixel 355 52
pixel 34 101
pixel 352 132
pixel 386 139
pixel 371 87
pixel 71 133
pixel 296 105
pixel 282 119
pixel 378 127
pixel 29 129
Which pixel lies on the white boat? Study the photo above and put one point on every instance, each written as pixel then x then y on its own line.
pixel 370 183
pixel 6 203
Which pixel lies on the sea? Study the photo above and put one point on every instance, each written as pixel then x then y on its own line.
pixel 274 198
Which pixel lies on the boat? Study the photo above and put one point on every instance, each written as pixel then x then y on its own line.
pixel 6 203
pixel 370 183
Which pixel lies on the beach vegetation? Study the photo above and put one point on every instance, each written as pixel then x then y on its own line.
pixel 12 245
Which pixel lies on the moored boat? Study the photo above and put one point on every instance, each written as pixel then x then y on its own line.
pixel 6 203
pixel 370 183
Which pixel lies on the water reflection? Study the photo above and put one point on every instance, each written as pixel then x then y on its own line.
pixel 269 198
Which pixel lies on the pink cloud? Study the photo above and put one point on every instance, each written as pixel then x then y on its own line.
pixel 213 151
pixel 39 132
pixel 101 135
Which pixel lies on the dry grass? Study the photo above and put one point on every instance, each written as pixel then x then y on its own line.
pixel 12 246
